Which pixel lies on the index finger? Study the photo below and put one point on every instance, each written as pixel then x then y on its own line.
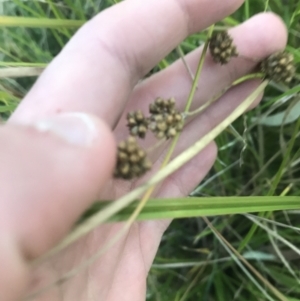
pixel 97 70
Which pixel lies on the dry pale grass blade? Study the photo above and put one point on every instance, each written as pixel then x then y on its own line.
pixel 266 220
pixel 273 289
pixel 281 256
pixel 20 72
pixel 174 165
pixel 186 65
pixel 274 234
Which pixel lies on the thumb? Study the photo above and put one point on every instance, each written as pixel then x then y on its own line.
pixel 50 172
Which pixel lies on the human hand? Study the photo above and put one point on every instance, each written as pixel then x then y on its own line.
pixel 49 176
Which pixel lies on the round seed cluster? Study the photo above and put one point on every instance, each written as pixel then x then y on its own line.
pixel 222 48
pixel 137 124
pixel 132 160
pixel 279 67
pixel 165 120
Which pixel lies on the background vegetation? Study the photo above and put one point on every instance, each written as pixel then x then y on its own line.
pixel 192 262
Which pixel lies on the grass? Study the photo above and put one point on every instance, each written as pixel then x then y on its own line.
pixel 193 262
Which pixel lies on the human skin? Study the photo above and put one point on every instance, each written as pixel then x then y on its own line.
pixel 51 173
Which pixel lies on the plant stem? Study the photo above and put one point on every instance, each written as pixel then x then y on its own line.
pixel 198 72
pixel 181 55
pixel 14 72
pixel 216 97
pixel 284 163
pixel 172 147
pixel 272 288
pixel 6 21
pixel 247 9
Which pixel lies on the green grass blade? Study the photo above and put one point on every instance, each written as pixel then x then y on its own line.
pixel 203 206
pixel 6 21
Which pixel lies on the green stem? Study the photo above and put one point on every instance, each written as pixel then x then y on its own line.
pixel 22 64
pixel 198 72
pixel 247 10
pixel 172 147
pixel 249 76
pixel 267 5
pixel 191 95
pixel 6 21
pixel 216 97
pixel 182 57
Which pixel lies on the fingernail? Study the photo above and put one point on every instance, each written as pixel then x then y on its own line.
pixel 75 128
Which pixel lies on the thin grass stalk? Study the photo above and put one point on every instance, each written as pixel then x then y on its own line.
pixel 6 21
pixel 284 163
pixel 22 64
pixel 216 97
pixel 273 289
pixel 193 282
pixel 274 234
pixel 168 156
pixel 281 256
pixel 15 72
pixel 186 65
pixel 296 229
pixel 247 9
pixel 58 14
pixel 275 182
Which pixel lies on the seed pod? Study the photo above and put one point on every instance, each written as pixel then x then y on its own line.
pixel 137 124
pixel 222 48
pixel 161 106
pixel 165 120
pixel 132 161
pixel 279 67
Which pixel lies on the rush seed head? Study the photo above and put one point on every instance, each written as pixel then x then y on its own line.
pixel 279 67
pixel 137 124
pixel 132 161
pixel 222 48
pixel 165 120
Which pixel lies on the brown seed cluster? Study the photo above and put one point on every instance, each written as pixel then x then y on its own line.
pixel 165 120
pixel 132 160
pixel 222 48
pixel 137 124
pixel 279 67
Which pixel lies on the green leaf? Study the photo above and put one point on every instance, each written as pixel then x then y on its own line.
pixel 199 206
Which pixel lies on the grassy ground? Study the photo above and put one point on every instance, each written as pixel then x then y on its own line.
pixel 192 263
